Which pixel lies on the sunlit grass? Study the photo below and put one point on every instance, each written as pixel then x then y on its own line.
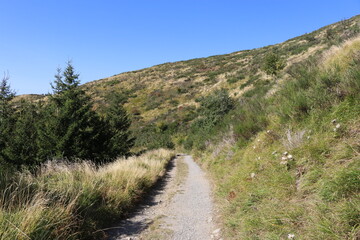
pixel 298 175
pixel 73 200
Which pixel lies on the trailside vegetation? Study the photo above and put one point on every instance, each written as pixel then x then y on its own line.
pixel 120 139
pixel 75 200
pixel 64 126
pixel 287 163
pixel 6 95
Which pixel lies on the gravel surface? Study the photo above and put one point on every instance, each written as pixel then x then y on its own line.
pixel 177 209
pixel 190 213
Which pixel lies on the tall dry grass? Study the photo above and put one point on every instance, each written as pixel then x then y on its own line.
pixel 65 200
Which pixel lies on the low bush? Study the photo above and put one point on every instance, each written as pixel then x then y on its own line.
pixel 273 63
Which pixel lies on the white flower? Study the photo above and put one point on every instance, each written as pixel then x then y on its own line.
pixel 290 156
pixel 284 158
pixel 283 162
pixel 291 236
pixel 338 125
pixel 285 153
pixel 333 121
pixel 252 175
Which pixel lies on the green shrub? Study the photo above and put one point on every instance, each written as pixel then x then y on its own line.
pixel 273 64
pixel 153 137
pixel 251 118
pixel 214 106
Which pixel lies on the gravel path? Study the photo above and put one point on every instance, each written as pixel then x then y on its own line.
pixel 190 213
pixel 179 208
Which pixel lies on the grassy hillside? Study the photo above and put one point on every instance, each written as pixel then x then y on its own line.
pixel 289 162
pixel 164 99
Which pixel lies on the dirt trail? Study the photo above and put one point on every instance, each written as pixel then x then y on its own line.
pixel 179 208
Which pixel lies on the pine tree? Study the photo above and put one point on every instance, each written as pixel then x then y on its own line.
pixel 6 95
pixel 21 146
pixel 119 123
pixel 70 128
pixel 6 111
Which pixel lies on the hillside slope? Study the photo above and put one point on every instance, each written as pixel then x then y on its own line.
pixel 163 99
pixel 165 96
pixel 289 164
pixel 284 150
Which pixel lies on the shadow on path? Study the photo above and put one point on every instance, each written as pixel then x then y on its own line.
pixel 133 225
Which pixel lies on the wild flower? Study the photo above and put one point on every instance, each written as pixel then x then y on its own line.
pixel 337 127
pixel 291 236
pixel 284 162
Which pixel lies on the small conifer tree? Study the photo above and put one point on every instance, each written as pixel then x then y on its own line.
pixel 21 146
pixel 70 128
pixel 6 121
pixel 119 123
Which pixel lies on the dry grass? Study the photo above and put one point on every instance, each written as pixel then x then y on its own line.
pixel 73 200
pixel 342 56
pixel 293 139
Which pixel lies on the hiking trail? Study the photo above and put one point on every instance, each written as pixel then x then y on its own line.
pixel 180 207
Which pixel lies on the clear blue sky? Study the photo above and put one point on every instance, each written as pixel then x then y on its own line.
pixel 108 37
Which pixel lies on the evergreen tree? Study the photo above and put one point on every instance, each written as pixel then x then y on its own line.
pixel 119 123
pixel 70 128
pixel 6 121
pixel 21 146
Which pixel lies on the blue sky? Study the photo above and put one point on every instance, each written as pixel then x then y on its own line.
pixel 104 38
